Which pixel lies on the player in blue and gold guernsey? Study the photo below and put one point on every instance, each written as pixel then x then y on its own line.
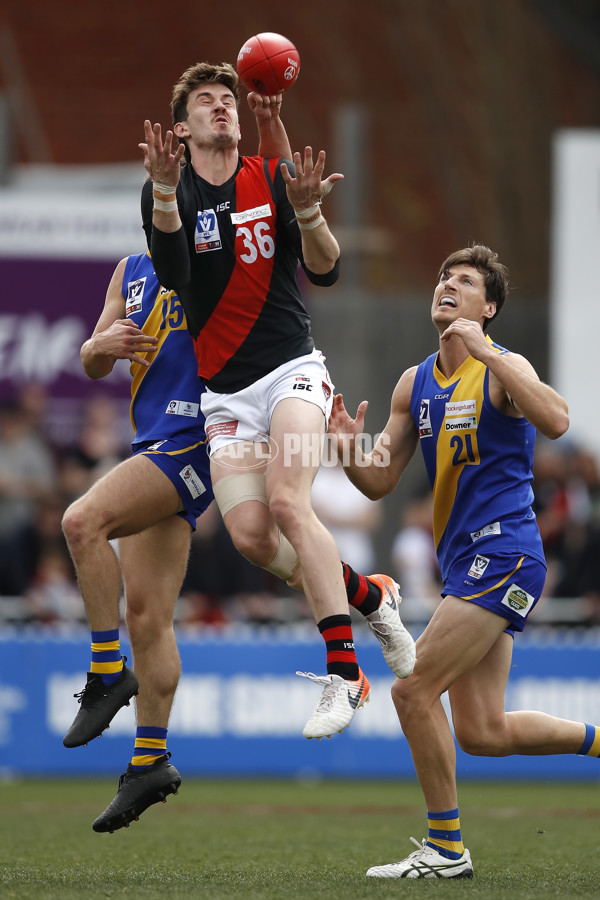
pixel 473 407
pixel 150 503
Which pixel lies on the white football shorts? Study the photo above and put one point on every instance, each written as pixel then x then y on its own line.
pixel 246 414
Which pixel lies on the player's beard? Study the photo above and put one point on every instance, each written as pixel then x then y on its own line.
pixel 224 140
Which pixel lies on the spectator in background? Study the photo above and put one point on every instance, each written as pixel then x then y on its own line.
pixel 567 483
pixel 52 597
pixel 27 476
pixel 349 516
pixel 415 562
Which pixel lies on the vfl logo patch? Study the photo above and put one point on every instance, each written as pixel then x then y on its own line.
pixel 518 600
pixel 207 235
pixel 425 429
pixel 135 295
pixel 478 566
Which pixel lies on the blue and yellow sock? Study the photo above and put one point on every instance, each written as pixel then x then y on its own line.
pixel 591 745
pixel 106 655
pixel 444 833
pixel 150 744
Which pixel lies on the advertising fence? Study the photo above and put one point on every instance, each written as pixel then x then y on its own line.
pixel 240 709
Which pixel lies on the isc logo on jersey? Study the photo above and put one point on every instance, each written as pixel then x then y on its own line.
pixel 207 235
pixel 135 295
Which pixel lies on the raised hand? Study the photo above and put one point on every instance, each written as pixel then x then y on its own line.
pixel 307 187
pixel 162 159
pixel 263 106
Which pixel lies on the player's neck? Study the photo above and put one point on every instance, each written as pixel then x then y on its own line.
pixel 215 165
pixel 451 356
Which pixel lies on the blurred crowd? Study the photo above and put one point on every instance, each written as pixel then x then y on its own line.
pixel 40 476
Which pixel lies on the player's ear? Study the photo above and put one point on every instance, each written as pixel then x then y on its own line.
pixel 490 309
pixel 181 129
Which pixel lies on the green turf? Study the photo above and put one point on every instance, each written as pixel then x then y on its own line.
pixel 285 839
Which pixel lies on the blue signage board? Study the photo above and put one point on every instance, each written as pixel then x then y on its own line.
pixel 240 709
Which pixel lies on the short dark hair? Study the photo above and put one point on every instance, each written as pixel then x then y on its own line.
pixel 495 273
pixel 193 77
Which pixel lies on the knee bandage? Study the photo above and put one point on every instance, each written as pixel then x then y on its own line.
pixel 284 561
pixel 252 486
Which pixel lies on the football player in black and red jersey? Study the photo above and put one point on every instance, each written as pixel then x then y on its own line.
pixel 227 232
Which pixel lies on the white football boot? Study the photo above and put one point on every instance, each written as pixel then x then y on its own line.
pixel 396 642
pixel 425 863
pixel 339 701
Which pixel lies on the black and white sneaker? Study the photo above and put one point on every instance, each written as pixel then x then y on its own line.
pixel 99 705
pixel 137 791
pixel 425 863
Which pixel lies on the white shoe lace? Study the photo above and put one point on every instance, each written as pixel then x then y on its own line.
pixel 420 845
pixel 330 689
pixel 382 632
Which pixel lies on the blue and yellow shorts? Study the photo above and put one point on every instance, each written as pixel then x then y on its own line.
pixel 187 466
pixel 507 583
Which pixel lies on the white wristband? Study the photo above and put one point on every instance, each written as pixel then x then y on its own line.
pixel 313 223
pixel 308 213
pixel 164 188
pixel 165 205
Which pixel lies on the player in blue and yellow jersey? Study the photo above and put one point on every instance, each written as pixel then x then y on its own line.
pixel 150 502
pixel 473 407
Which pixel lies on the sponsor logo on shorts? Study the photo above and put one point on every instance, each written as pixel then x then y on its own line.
pixel 518 600
pixel 156 445
pixel 218 428
pixel 478 566
pixel 302 383
pixel 192 481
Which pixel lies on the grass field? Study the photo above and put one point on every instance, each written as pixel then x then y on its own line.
pixel 286 839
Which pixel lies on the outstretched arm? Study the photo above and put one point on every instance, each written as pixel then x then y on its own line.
pixel 515 387
pixel 160 213
pixel 377 473
pixel 272 136
pixel 114 336
pixel 305 192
